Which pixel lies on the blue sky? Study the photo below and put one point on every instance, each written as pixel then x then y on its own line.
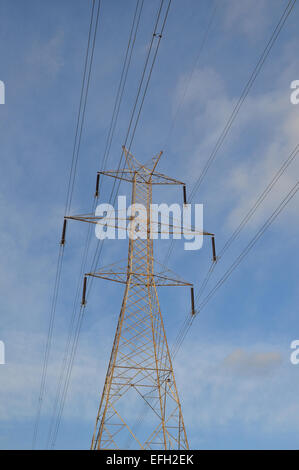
pixel 237 385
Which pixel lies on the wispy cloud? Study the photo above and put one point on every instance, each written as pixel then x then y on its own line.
pixel 46 58
pixel 229 384
pixel 242 17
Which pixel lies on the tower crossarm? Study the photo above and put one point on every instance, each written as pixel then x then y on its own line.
pixel 128 175
pixel 116 220
pixel 140 279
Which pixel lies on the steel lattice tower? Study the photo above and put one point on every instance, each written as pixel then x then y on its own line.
pixel 140 376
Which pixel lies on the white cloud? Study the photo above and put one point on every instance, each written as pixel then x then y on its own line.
pixel 261 138
pixel 228 383
pixel 20 378
pixel 247 17
pixel 252 363
pixel 46 58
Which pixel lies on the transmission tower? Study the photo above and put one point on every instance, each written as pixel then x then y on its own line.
pixel 140 378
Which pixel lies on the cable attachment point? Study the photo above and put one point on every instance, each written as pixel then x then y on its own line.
pixel 62 241
pixel 83 303
pixel 192 301
pixel 184 194
pixel 96 194
pixel 214 249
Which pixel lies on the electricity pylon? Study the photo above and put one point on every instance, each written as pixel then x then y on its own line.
pixel 140 376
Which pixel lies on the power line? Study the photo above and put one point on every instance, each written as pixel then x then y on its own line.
pixel 187 323
pixel 244 94
pixel 238 260
pixel 235 234
pixel 195 65
pixel 134 131
pixel 72 325
pixel 71 188
pixel 260 199
pixel 203 42
pixel 48 345
pixel 60 394
pixel 75 154
pixel 99 246
pixel 154 35
pixel 128 55
pixel 251 244
pixel 250 214
pixel 78 328
pixel 237 107
pixel 123 79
